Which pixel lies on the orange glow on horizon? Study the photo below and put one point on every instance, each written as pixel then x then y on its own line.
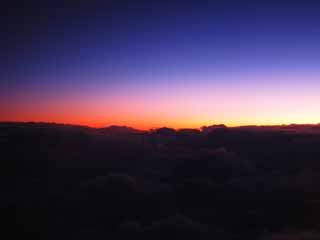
pixel 147 125
pixel 145 120
pixel 179 107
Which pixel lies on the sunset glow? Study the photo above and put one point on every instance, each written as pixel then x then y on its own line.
pixel 176 107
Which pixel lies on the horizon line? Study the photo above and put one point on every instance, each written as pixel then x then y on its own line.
pixel 153 128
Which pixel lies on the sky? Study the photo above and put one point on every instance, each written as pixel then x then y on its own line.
pixel 149 64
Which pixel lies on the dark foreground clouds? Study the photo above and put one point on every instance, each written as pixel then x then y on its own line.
pixel 70 182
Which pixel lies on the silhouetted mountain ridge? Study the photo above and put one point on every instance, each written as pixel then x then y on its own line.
pixel 117 129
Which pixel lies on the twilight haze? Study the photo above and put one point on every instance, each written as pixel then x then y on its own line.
pixel 153 63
